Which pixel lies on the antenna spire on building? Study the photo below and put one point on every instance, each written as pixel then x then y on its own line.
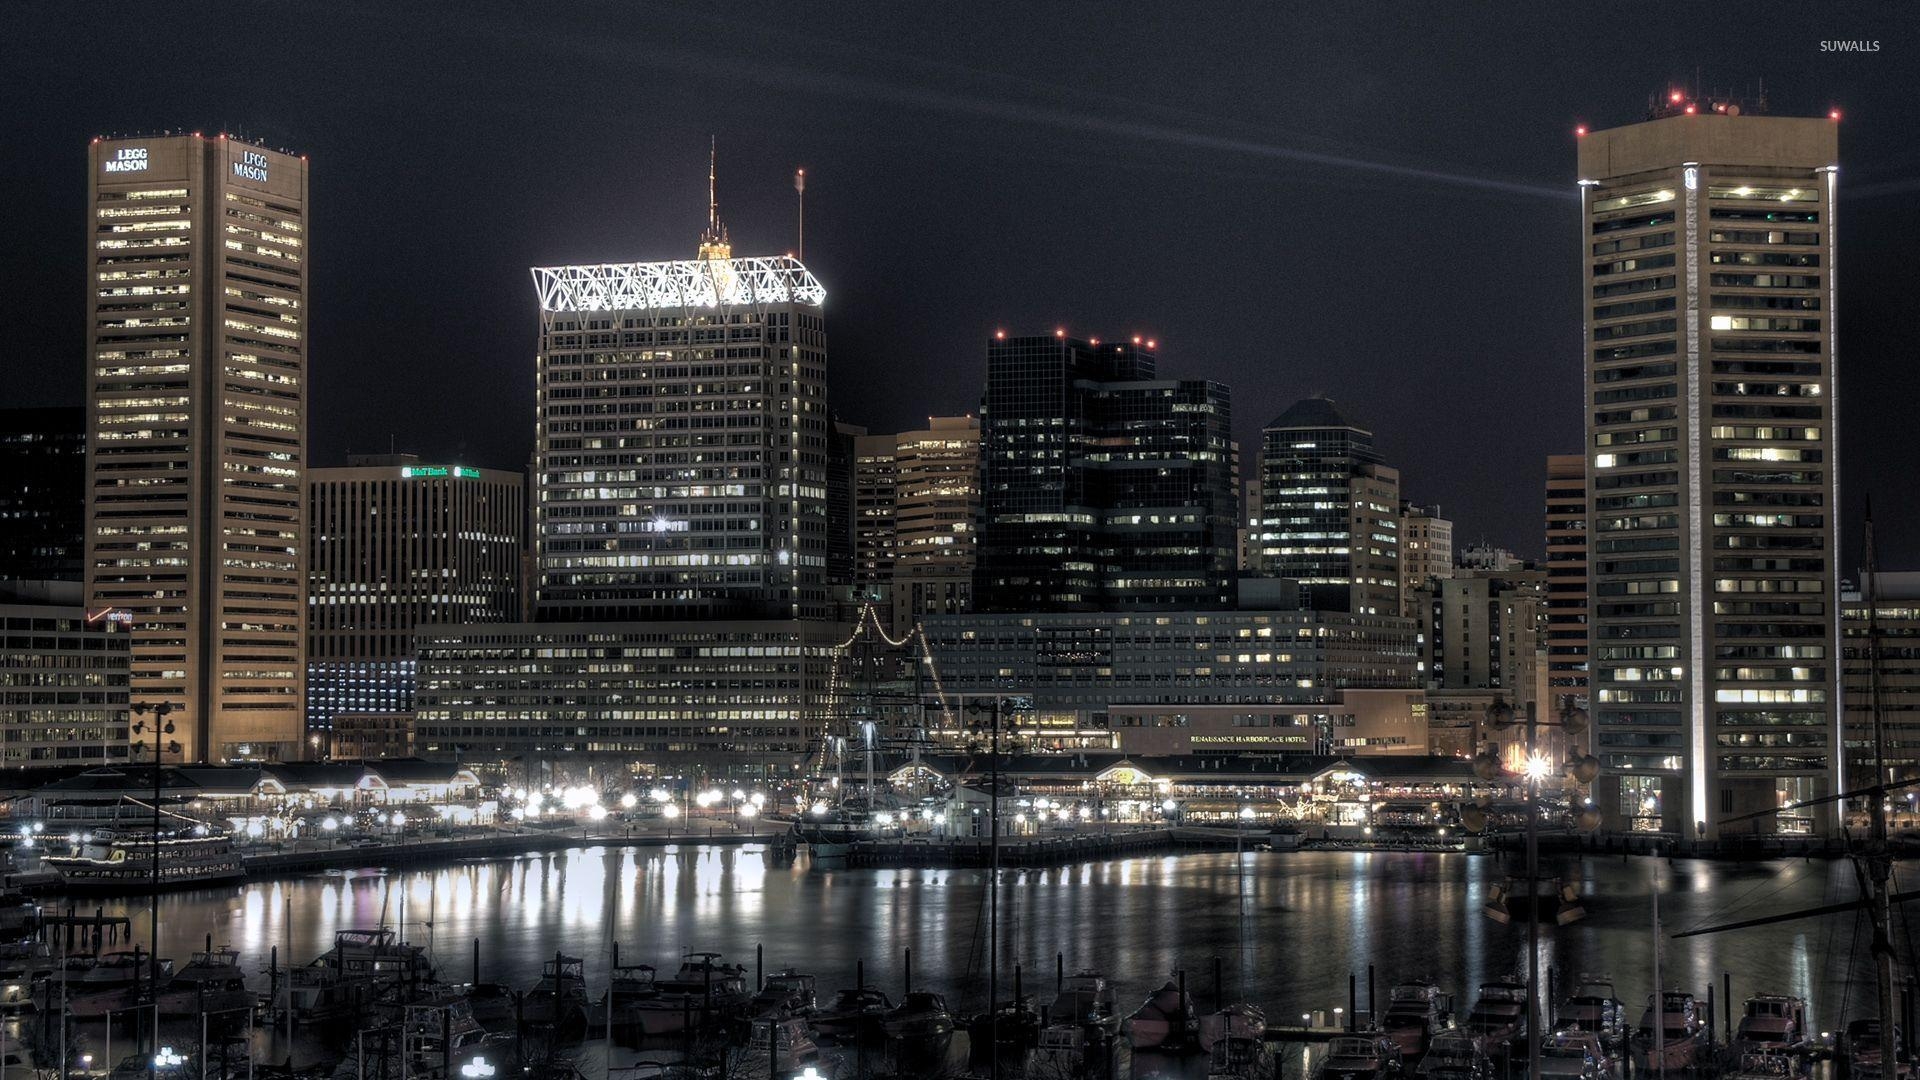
pixel 713 242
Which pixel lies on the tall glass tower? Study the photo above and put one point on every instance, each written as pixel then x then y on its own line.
pixel 1103 487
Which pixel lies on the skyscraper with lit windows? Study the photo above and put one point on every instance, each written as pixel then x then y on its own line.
pixel 197 262
pixel 1103 487
pixel 1707 261
pixel 1330 512
pixel 682 450
pixel 684 530
pixel 397 544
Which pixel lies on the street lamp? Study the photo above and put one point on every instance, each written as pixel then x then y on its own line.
pixel 992 708
pixel 161 727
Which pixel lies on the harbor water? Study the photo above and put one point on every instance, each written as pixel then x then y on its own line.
pixel 1288 928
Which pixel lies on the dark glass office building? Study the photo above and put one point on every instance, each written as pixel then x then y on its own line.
pixel 1104 487
pixel 43 510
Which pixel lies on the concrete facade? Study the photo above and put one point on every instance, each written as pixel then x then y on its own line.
pixel 1707 296
pixel 197 265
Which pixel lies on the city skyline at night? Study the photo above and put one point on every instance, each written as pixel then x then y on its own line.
pixel 1314 191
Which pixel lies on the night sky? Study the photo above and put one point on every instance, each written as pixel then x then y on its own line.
pixel 1371 202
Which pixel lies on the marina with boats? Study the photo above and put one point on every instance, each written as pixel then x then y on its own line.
pixel 412 989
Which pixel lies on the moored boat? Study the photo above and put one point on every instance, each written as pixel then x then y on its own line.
pixel 1499 1016
pixel 703 991
pixel 1084 999
pixel 559 1000
pixel 1771 1024
pixel 1164 1021
pixel 1359 1057
pixel 1239 1021
pixel 778 1048
pixel 854 1013
pixel 784 993
pixel 120 859
pixel 1672 1034
pixel 1452 1055
pixel 351 975
pixel 1595 1007
pixel 1415 1013
pixel 1573 1054
pixel 919 1032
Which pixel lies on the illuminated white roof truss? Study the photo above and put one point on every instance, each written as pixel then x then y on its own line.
pixel 693 283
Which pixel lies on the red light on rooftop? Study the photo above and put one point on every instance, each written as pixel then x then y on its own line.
pixel 1152 344
pixel 1095 341
pixel 1000 335
pixel 1833 114
pixel 1059 333
pixel 1675 97
pixel 1136 339
pixel 1579 130
pixel 1691 110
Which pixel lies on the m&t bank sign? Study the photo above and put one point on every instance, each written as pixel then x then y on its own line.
pixel 251 166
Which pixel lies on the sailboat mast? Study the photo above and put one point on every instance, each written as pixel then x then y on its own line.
pixel 1659 1009
pixel 1879 861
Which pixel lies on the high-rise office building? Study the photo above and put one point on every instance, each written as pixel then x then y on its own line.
pixel 1426 553
pixel 43 506
pixel 1567 578
pixel 936 518
pixel 693 507
pixel 63 679
pixel 1104 487
pixel 1880 674
pixel 875 477
pixel 396 544
pixel 683 439
pixel 1484 633
pixel 1330 514
pixel 597 699
pixel 840 496
pixel 1708 292
pixel 197 261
